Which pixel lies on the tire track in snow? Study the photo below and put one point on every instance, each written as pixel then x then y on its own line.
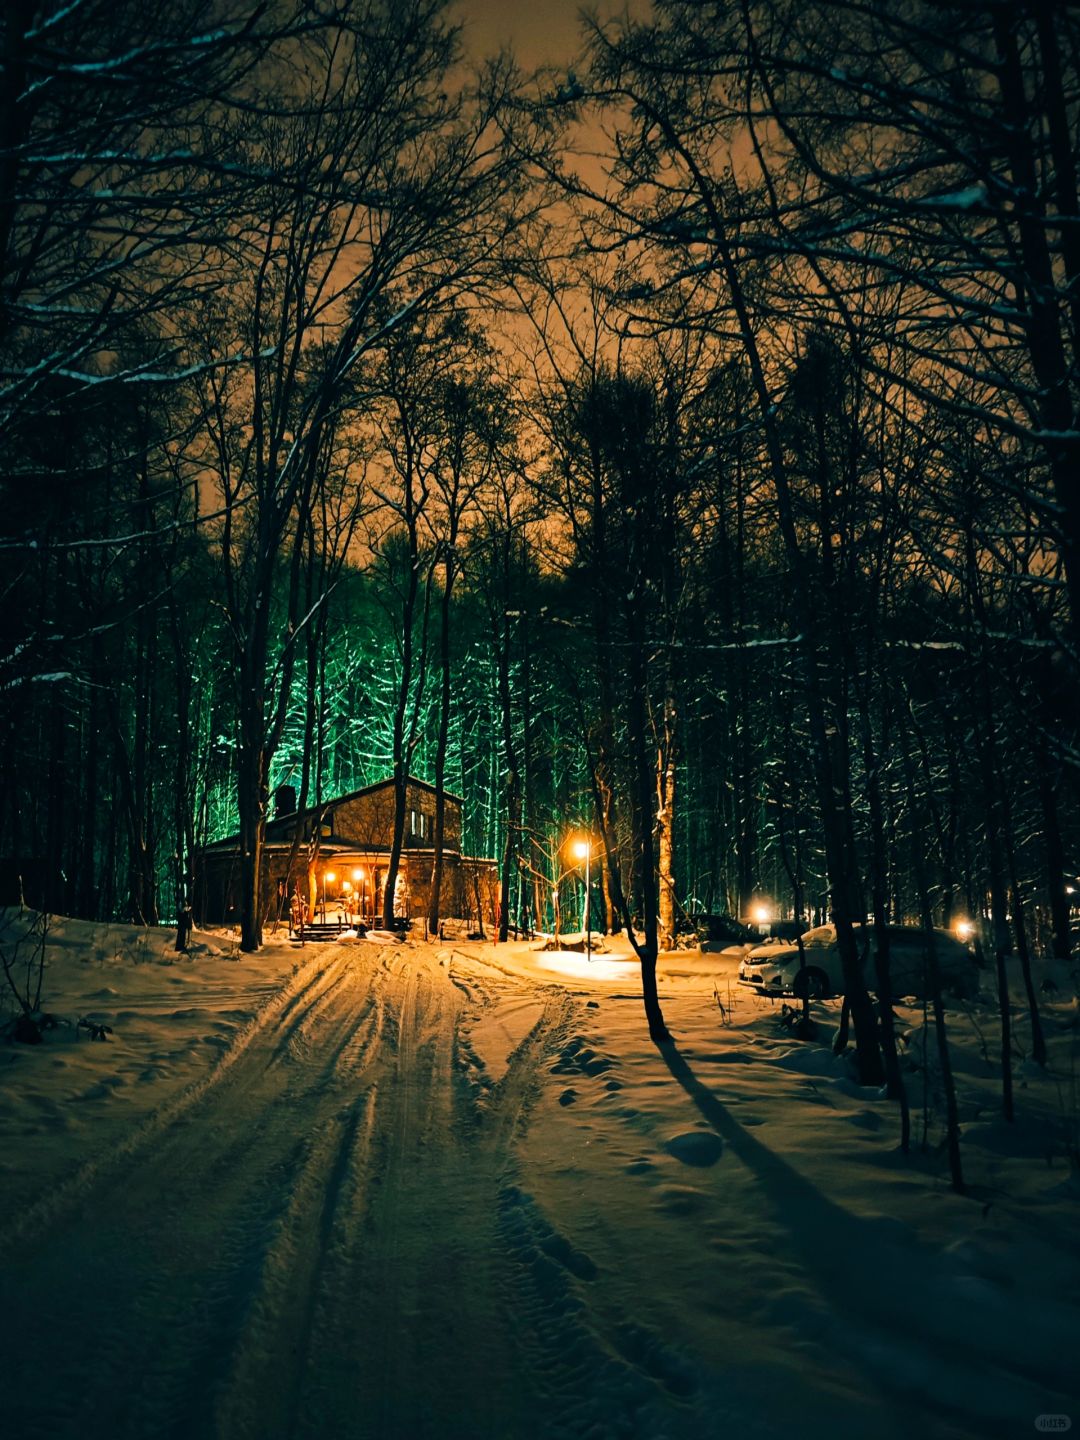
pixel 316 1242
pixel 505 1107
pixel 583 1384
pixel 169 1250
pixel 413 1322
pixel 298 1026
pixel 310 978
pixel 262 1393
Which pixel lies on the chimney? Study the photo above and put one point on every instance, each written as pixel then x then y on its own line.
pixel 284 801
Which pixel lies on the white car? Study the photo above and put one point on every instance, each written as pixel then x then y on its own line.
pixel 776 969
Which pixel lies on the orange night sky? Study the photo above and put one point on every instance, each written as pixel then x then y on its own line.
pixel 538 31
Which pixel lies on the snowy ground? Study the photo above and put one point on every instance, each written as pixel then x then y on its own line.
pixel 449 1190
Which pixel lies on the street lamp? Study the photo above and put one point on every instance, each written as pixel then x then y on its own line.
pixel 328 879
pixel 358 876
pixel 583 851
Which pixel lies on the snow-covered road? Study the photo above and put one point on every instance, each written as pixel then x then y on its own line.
pixel 308 1248
pixel 428 1193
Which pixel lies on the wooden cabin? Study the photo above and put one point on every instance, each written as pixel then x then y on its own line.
pixel 342 858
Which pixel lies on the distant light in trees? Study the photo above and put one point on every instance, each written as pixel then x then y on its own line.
pixel 964 929
pixel 762 914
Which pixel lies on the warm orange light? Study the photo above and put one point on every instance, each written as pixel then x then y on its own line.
pixel 347 887
pixel 964 929
pixel 762 914
pixel 329 877
pixel 358 874
pixel 581 849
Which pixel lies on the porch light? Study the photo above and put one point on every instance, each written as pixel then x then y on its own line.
pixel 327 880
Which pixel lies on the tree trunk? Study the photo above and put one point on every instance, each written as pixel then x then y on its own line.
pixel 948 1085
pixel 643 818
pixel 251 803
pixel 828 766
pixel 441 746
pixel 1055 861
pixel 1038 1039
pixel 665 817
pixel 512 781
pixel 878 886
pixel 1037 306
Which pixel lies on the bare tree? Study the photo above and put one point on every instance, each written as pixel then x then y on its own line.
pixel 470 411
pixel 376 178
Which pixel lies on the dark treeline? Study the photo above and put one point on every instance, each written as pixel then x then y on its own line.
pixel 720 501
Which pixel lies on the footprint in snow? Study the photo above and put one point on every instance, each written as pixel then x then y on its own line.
pixel 681 1200
pixel 647 1352
pixel 696 1147
pixel 538 1245
pixel 558 1248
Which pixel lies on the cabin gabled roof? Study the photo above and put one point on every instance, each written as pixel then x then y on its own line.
pixel 380 785
pixel 276 823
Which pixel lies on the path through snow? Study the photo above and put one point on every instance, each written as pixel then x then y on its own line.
pixel 423 1196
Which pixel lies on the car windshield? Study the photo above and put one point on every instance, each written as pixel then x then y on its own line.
pixel 820 935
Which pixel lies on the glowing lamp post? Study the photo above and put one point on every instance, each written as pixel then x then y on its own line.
pixel 762 916
pixel 583 851
pixel 359 878
pixel 964 930
pixel 328 879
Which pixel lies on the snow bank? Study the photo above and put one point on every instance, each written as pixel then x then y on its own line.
pixel 171 1018
pixel 714 1236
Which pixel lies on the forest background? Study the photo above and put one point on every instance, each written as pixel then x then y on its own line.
pixel 679 448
